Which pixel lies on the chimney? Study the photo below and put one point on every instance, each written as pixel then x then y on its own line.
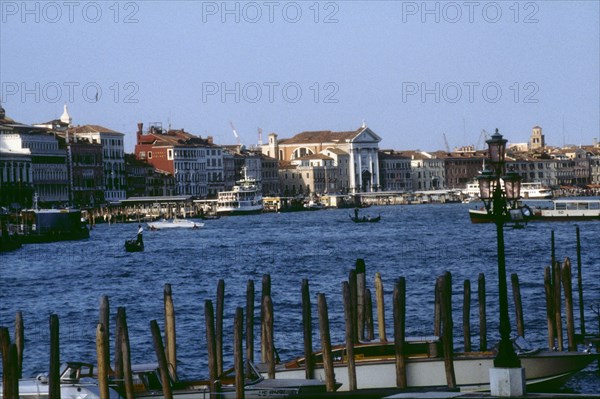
pixel 140 131
pixel 209 139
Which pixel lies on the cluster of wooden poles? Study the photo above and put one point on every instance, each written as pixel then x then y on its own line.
pixel 359 326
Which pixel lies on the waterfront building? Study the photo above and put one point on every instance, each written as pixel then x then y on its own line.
pixel 361 145
pixel 229 164
pixel 461 167
pixel 341 159
pixel 428 171
pixel 33 165
pixel 395 171
pixel 593 154
pixel 16 170
pixel 86 167
pixel 534 167
pixel 291 180
pixel 269 176
pixel 314 173
pixel 214 169
pixel 144 180
pixel 178 153
pixel 581 164
pixel 253 164
pixel 113 153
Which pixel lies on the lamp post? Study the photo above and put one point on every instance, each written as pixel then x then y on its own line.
pixel 498 203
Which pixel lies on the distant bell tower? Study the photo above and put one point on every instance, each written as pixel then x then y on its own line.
pixel 273 151
pixel 537 139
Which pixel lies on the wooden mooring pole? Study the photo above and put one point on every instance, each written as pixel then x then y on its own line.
pixel 269 335
pixel 399 309
pixel 549 307
pixel 219 325
pixel 369 325
pixel 19 342
pixel 250 321
pixel 552 248
pixel 353 284
pixel 104 319
pixel 467 315
pixel 556 285
pixel 12 379
pixel 118 357
pixel 266 291
pixel 516 289
pixel 125 350
pixel 103 359
pixel 309 368
pixel 380 308
pixel 326 343
pixel 567 285
pixel 350 332
pixel 482 314
pixel 170 330
pixel 437 307
pixel 580 284
pixel 161 358
pixel 238 352
pixel 361 286
pixel 209 315
pixel 54 369
pixel 447 336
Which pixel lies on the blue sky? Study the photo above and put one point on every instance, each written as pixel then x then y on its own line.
pixel 412 70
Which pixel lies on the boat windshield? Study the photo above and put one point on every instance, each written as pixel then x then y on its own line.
pixel 73 372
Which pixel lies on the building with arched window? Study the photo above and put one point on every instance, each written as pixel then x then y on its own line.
pixel 361 147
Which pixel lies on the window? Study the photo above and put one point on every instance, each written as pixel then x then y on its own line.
pixel 149 154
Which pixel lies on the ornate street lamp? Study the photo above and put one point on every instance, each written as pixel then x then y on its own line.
pixel 499 202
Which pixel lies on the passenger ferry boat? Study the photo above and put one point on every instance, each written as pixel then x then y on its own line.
pixel 245 198
pixel 569 210
pixel 535 190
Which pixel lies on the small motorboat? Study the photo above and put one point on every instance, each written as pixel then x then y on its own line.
pixel 134 246
pixel 77 380
pixel 255 385
pixel 425 368
pixel 174 223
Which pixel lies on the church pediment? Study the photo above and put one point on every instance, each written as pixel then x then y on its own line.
pixel 366 135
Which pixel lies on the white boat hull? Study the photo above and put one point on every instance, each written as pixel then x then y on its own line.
pixel 471 372
pixel 34 388
pixel 175 224
pixel 242 210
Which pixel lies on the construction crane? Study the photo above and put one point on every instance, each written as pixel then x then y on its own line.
pixel 485 136
pixel 446 142
pixel 237 137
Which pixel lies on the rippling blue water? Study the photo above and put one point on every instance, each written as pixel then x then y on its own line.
pixel 417 242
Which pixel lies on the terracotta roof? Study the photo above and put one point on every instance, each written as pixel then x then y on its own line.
pixel 174 138
pixel 321 136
